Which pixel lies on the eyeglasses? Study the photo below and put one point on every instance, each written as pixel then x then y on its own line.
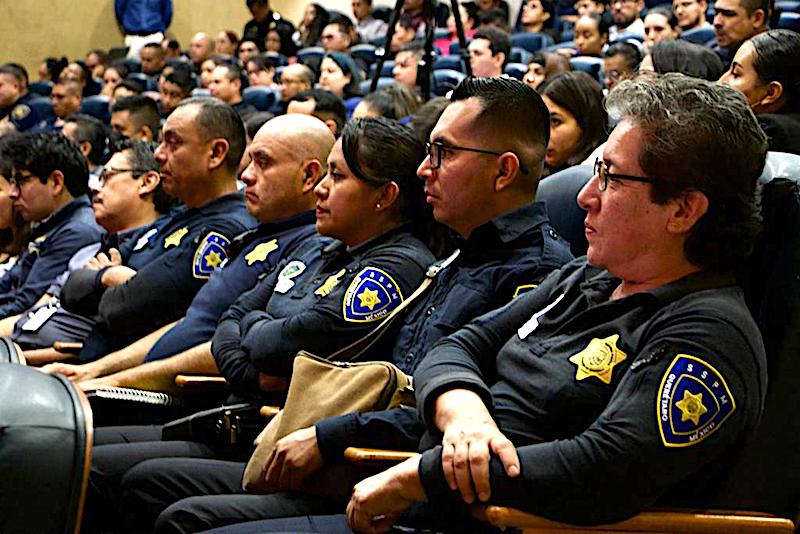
pixel 18 179
pixel 601 171
pixel 434 151
pixel 109 172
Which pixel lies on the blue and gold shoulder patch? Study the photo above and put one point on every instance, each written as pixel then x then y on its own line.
pixel 209 255
pixel 372 295
pixel 693 402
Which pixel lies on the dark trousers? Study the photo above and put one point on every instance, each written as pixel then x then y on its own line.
pixel 182 495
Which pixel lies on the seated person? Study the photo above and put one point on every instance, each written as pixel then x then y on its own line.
pixel 660 24
pixel 339 74
pixel 321 104
pixel 226 83
pixel 136 117
pixel 545 65
pixel 685 57
pixel 578 120
pixel 91 136
pixel 506 247
pixel 177 86
pixel 66 99
pixel 261 71
pixel 467 22
pixel 14 230
pixel 127 204
pixel 636 372
pixel 286 161
pixel 626 16
pixel 488 52
pixel 394 102
pixel 620 61
pixel 539 16
pixel 691 14
pixel 16 114
pixel 199 156
pixel 406 63
pixel 329 293
pixel 766 69
pixel 49 187
pixel 295 79
pixel 591 37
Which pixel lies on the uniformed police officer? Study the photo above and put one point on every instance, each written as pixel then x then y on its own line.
pixel 203 142
pixel 287 160
pixel 16 113
pixel 130 205
pixel 485 194
pixel 331 292
pixel 50 182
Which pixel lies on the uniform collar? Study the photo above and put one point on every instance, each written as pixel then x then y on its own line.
pixel 61 215
pixel 386 237
pixel 275 227
pixel 511 225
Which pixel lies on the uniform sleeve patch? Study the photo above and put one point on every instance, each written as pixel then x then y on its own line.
pixel 693 402
pixel 209 255
pixel 372 295
pixel 261 251
pixel 20 112
pixel 521 290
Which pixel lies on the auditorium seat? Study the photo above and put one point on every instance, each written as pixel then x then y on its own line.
pixel 386 70
pixel 531 41
pixel 41 88
pixel 789 21
pixel 449 62
pixel 699 36
pixel 560 192
pixel 445 80
pixel 260 97
pixel 383 83
pixel 515 70
pixel 10 352
pixel 364 52
pixel 311 53
pixel 43 107
pixel 590 65
pixel 97 106
pixel 45 451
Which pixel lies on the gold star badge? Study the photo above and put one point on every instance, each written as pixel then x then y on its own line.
pixel 369 298
pixel 213 259
pixel 691 407
pixel 174 239
pixel 261 251
pixel 598 359
pixel 333 280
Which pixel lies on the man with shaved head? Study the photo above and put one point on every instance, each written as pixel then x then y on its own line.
pixel 200 49
pixel 287 159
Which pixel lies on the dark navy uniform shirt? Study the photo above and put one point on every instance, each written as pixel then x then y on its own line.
pixel 502 259
pixel 52 244
pixel 322 299
pixel 258 252
pixel 22 115
pixel 190 246
pixel 612 405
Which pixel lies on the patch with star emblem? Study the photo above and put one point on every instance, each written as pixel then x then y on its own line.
pixel 261 251
pixel 20 112
pixel 693 402
pixel 209 255
pixel 372 295
pixel 174 239
pixel 598 359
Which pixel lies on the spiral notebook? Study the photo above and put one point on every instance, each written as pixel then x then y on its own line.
pixel 136 395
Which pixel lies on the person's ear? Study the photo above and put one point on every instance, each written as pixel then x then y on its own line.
pixel 773 94
pixel 312 174
pixel 688 208
pixel 56 182
pixel 149 183
pixel 85 147
pixel 759 18
pixel 507 171
pixel 219 151
pixel 389 194
pixel 146 134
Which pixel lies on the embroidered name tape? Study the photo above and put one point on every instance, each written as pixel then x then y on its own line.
pixel 693 402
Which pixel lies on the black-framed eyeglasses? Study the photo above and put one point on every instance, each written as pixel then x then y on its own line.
pixel 435 148
pixel 18 179
pixel 109 172
pixel 601 171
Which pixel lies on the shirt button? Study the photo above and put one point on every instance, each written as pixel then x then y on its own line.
pixel 409 357
pixel 430 311
pixel 553 233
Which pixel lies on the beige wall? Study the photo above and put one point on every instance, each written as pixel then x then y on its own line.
pixel 35 29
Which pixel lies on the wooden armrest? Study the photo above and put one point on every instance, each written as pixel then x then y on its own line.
pixel 69 347
pixel 269 411
pixel 372 456
pixel 654 522
pixel 200 381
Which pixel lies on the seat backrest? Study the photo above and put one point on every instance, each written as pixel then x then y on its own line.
pixel 45 449
pixel 309 53
pixel 449 62
pixel 590 65
pixel 789 21
pixel 9 352
pixel 386 69
pixel 698 35
pixel 364 51
pixel 531 41
pixel 560 192
pixel 767 475
pixel 261 98
pixel 788 5
pixel 41 88
pixel 445 80
pixel 43 107
pixel 383 83
pixel 515 70
pixel 97 106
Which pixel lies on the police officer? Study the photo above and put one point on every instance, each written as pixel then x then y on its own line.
pixel 506 248
pixel 16 113
pixel 330 293
pixel 203 142
pixel 50 180
pixel 130 205
pixel 288 156
pixel 635 373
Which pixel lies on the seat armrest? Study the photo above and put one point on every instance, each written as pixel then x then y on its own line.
pixel 372 456
pixel 269 412
pixel 200 382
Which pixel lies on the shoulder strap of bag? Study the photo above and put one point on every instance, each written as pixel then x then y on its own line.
pixel 362 345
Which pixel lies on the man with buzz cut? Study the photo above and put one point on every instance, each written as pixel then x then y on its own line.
pixel 480 180
pixel 203 142
pixel 736 21
pixel 226 84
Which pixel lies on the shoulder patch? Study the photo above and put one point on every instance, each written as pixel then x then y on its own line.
pixel 20 112
pixel 209 255
pixel 261 251
pixel 174 239
pixel 293 269
pixel 693 401
pixel 372 295
pixel 521 290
